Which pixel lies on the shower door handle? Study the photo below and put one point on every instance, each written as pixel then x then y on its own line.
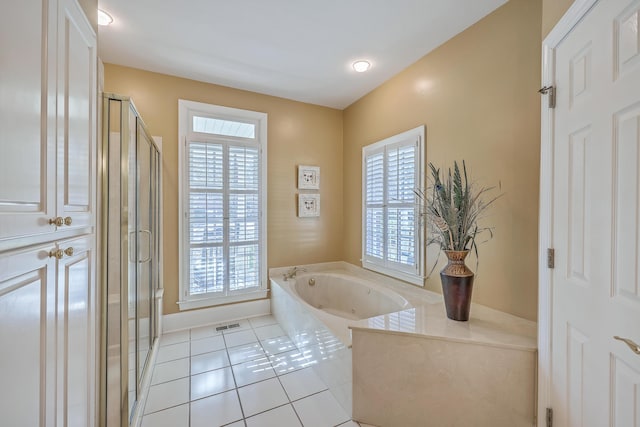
pixel 148 258
pixel 131 253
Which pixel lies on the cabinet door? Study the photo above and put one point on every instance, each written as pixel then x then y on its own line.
pixel 27 117
pixel 76 312
pixel 27 337
pixel 76 115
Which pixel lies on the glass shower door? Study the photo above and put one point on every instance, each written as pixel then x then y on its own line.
pixel 131 253
pixel 145 232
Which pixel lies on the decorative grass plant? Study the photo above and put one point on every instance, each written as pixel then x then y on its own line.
pixel 452 207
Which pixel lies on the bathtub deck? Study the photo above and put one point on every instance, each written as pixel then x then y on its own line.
pixel 416 364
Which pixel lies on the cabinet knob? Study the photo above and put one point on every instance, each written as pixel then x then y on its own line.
pixel 67 220
pixel 58 221
pixel 56 253
pixel 69 251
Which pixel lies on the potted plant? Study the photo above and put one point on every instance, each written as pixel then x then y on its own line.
pixel 452 207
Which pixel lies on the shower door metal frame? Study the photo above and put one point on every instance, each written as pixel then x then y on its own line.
pixel 116 249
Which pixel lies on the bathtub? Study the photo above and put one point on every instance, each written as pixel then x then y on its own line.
pixel 346 296
pixel 325 299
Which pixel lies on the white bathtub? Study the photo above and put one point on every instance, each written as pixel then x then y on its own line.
pixel 326 298
pixel 346 296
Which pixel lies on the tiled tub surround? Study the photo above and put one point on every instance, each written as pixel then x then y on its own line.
pixel 328 349
pixel 416 364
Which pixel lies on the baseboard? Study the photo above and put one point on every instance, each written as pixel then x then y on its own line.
pixel 193 318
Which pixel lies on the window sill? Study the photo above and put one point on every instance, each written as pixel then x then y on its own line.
pixel 214 301
pixel 397 274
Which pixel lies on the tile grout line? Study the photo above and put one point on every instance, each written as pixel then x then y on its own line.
pixel 269 359
pixel 189 416
pixel 277 376
pixel 226 349
pixel 285 390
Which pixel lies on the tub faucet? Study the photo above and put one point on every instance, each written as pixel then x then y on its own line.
pixel 291 273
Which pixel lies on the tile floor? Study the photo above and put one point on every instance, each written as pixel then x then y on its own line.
pixel 251 375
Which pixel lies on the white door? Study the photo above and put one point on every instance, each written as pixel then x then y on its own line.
pixel 27 117
pixel 595 289
pixel 76 115
pixel 76 337
pixel 27 337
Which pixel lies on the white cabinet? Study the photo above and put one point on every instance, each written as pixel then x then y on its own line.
pixel 76 332
pixel 27 336
pixel 76 119
pixel 48 295
pixel 27 118
pixel 47 119
pixel 48 333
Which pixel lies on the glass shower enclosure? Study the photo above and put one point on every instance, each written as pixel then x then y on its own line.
pixel 131 280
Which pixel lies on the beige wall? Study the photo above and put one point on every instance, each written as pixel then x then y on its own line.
pixel 477 96
pixel 297 134
pixel 552 11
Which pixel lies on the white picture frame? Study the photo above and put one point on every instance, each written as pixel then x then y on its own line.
pixel 308 205
pixel 308 177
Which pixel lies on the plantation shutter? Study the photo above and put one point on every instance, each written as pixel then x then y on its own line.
pixel 375 216
pixel 390 176
pixel 224 217
pixel 401 184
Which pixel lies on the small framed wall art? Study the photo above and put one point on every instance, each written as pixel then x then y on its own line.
pixel 308 177
pixel 308 205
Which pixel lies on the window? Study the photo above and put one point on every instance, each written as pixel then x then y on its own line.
pixel 392 234
pixel 222 201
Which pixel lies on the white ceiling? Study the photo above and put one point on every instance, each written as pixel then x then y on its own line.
pixel 295 49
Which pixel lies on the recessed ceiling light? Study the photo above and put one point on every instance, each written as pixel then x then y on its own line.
pixel 104 18
pixel 361 66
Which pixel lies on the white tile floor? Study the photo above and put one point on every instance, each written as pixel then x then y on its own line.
pixel 252 375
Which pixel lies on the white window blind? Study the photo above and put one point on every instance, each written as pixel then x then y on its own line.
pixel 223 227
pixel 392 233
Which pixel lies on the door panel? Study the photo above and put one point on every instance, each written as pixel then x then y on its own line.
pixel 575 370
pixel 626 42
pixel 578 215
pixel 626 391
pixel 27 118
pixel 76 123
pixel 596 220
pixel 76 305
pixel 27 334
pixel 626 203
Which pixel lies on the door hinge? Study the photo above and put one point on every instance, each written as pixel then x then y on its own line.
pixel 551 91
pixel 551 258
pixel 549 417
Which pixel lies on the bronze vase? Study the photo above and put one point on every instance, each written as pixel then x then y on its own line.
pixel 457 285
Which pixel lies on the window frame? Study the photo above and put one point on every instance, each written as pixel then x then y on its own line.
pixel 186 111
pixel 414 274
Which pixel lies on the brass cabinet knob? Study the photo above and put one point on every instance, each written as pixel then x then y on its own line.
pixel 56 253
pixel 58 221
pixel 59 253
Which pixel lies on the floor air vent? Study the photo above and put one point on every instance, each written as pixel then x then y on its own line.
pixel 231 326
